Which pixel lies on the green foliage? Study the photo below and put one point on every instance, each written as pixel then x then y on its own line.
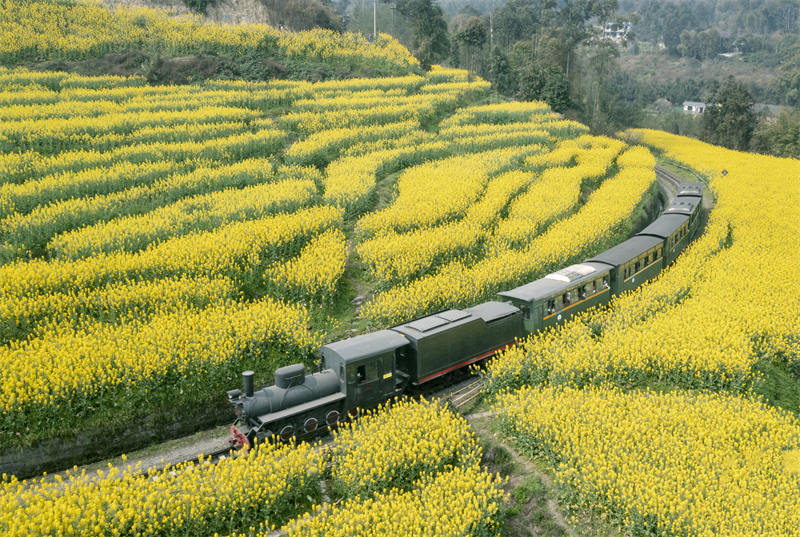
pixel 199 6
pixel 545 83
pixel 431 41
pixel 517 19
pixel 729 119
pixel 300 15
pixel 500 72
pixel 674 122
pixel 700 45
pixel 779 382
pixel 472 35
pixel 781 138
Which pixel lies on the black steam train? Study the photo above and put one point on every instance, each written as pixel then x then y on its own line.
pixel 363 371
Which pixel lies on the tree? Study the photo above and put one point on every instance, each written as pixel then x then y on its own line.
pixel 431 42
pixel 710 43
pixel 304 14
pixel 574 18
pixel 501 72
pixel 471 36
pixel 602 63
pixel 729 119
pixel 781 138
pixel 517 20
pixel 545 83
pixel 689 45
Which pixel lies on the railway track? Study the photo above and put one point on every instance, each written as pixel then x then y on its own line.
pixel 466 394
pixel 668 180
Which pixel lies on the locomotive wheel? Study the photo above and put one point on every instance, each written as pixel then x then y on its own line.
pixel 332 418
pixel 287 433
pixel 310 425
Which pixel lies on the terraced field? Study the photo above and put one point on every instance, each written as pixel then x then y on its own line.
pixel 157 240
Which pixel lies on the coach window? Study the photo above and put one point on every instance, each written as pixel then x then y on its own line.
pixel 582 292
pixel 566 299
pixel 551 305
pixel 594 286
pixel 526 311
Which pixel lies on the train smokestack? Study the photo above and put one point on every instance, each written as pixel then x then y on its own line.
pixel 247 377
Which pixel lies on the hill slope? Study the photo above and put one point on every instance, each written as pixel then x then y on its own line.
pixel 90 39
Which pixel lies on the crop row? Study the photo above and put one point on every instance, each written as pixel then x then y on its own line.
pixel 273 484
pixel 189 215
pixel 557 191
pixel 604 218
pixel 28 166
pixel 53 135
pixel 397 257
pixel 678 463
pixel 320 148
pixel 350 180
pixel 58 380
pixel 233 250
pixel 314 273
pixel 426 195
pixel 410 468
pixel 419 109
pixel 31 232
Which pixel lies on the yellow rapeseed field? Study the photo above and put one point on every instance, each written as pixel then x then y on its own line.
pixel 709 318
pixel 269 485
pixel 155 240
pixel 679 463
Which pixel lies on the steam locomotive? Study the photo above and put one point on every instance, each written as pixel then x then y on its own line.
pixel 365 370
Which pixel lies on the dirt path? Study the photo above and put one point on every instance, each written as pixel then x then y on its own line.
pixel 526 520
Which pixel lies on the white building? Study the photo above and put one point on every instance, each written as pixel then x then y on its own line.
pixel 617 31
pixel 694 107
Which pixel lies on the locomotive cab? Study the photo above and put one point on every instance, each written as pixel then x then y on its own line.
pixel 371 367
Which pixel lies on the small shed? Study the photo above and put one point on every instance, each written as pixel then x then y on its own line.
pixel 694 107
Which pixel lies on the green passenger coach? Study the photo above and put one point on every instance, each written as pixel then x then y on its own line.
pixel 560 295
pixel 632 262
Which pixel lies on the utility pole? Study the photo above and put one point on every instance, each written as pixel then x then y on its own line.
pixel 374 20
pixel 491 27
